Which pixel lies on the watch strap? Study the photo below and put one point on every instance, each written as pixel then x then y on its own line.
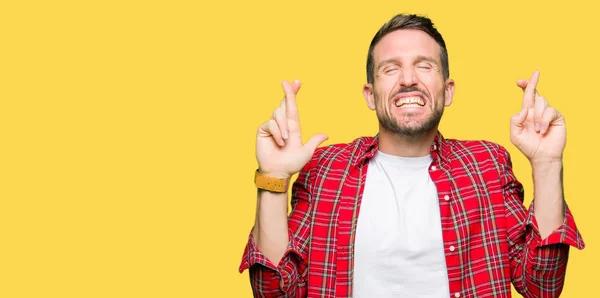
pixel 271 184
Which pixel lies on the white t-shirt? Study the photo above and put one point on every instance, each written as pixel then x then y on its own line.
pixel 399 250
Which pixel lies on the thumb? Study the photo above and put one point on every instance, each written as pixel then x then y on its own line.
pixel 520 117
pixel 517 120
pixel 314 142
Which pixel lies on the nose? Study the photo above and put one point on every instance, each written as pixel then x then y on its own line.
pixel 407 77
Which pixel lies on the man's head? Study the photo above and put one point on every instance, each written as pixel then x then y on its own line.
pixel 408 81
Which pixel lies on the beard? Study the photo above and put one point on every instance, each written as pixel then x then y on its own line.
pixel 407 125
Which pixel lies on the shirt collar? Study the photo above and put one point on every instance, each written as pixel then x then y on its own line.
pixel 369 147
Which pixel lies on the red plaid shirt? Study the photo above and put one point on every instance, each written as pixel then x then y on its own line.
pixel 490 239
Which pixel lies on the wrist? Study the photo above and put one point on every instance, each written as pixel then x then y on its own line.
pixel 546 163
pixel 274 174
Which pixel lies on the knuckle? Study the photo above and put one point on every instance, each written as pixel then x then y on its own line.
pixel 264 127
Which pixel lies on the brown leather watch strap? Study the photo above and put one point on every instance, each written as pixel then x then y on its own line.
pixel 271 184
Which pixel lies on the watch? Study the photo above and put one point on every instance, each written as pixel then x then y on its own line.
pixel 271 184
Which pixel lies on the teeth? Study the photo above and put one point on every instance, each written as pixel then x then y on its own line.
pixel 410 100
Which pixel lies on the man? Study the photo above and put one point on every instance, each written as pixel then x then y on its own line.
pixel 408 213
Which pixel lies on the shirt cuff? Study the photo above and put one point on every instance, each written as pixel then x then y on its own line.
pixel 254 256
pixel 566 233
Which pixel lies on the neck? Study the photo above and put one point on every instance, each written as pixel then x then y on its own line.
pixel 406 146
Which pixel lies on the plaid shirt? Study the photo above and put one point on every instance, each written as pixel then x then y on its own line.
pixel 490 239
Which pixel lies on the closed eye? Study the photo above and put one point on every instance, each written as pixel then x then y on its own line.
pixel 390 70
pixel 424 66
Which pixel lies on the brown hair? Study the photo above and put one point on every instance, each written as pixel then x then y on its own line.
pixel 410 21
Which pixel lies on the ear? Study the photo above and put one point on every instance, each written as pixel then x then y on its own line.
pixel 369 97
pixel 449 92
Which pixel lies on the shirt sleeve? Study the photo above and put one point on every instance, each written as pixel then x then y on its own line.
pixel 537 265
pixel 289 277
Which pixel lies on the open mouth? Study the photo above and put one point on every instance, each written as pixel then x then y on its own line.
pixel 413 101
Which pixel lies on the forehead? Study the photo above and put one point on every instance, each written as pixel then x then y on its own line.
pixel 406 43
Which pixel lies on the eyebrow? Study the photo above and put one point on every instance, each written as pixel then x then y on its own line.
pixel 418 58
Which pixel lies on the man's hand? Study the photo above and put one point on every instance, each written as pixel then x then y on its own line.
pixel 279 149
pixel 539 130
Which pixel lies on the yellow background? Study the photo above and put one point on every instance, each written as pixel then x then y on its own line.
pixel 127 128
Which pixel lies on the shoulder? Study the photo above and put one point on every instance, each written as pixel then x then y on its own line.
pixel 340 153
pixel 479 150
pixel 343 150
pixel 334 156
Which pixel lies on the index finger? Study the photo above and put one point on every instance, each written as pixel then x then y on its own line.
pixel 530 90
pixel 290 98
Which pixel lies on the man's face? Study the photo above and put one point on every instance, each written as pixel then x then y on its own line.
pixel 409 92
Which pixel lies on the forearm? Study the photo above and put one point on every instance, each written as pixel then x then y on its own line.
pixel 549 203
pixel 538 252
pixel 274 259
pixel 271 227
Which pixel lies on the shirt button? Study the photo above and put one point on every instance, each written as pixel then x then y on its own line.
pixel 456 294
pixel 452 248
pixel 447 198
pixel 433 168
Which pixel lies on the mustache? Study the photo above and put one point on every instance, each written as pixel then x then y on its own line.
pixel 410 89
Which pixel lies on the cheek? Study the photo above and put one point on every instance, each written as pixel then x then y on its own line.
pixel 381 92
pixel 380 100
pixel 386 83
pixel 433 85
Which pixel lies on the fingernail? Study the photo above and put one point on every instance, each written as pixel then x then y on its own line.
pixel 537 127
pixel 285 134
